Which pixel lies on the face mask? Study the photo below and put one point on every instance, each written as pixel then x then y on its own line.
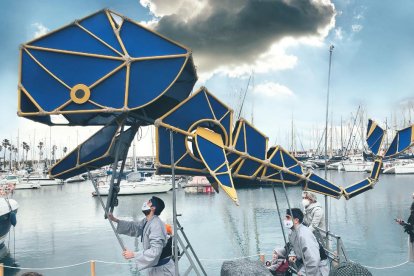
pixel 288 223
pixel 145 208
pixel 305 202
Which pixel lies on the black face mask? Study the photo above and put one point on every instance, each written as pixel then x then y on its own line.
pixel 146 212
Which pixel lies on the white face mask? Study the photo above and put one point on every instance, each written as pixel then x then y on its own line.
pixel 305 202
pixel 288 223
pixel 145 206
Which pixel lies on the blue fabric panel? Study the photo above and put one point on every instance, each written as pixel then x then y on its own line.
pixel 26 105
pixel 374 140
pixel 232 157
pixel 377 166
pixel 270 171
pixel 189 162
pixel 240 145
pixel 290 177
pixel 45 90
pixel 359 192
pixel 180 172
pixel 218 108
pixel 270 152
pixel 98 144
pixel 226 124
pixel 404 140
pixel 249 167
pixel 223 169
pixel 276 177
pixel 297 169
pixel 212 154
pixel 277 159
pixel 111 92
pixel 317 188
pixel 69 162
pixel 74 69
pixel 195 109
pixel 179 141
pixel 357 186
pixel 100 26
pixel 323 182
pixel 256 143
pixel 393 147
pixel 73 38
pixel 288 160
pixel 225 179
pixel 369 125
pixel 149 78
pixel 84 106
pixel 140 42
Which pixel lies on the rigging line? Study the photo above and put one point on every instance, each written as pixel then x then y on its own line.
pixel 384 267
pixel 244 98
pixel 291 214
pixel 278 213
pixel 352 130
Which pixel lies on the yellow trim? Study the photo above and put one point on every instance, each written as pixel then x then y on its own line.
pixel 159 57
pixel 412 133
pixel 107 75
pixel 128 72
pixel 236 171
pixel 209 105
pixel 47 71
pixel 245 137
pixel 221 166
pixel 98 105
pixel 84 98
pixel 63 105
pixel 236 137
pixel 211 136
pixel 181 158
pixel 73 52
pixel 97 38
pixel 31 99
pixel 373 126
pixel 116 30
pixel 346 194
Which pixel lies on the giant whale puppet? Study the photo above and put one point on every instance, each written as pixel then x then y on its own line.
pixel 107 70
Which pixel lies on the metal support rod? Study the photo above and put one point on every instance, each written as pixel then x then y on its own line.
pixel 105 210
pixel 114 167
pixel 174 204
pixel 121 171
pixel 278 212
pixel 326 142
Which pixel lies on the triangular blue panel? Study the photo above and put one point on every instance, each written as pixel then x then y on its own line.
pixel 100 26
pixel 149 78
pixel 74 69
pixel 225 179
pixel 392 149
pixel 73 38
pixel 111 91
pixel 240 145
pixel 45 90
pixel 404 140
pixel 140 42
pixel 84 106
pixel 188 162
pixel 277 159
pixel 218 108
pixel 213 155
pixel 256 142
pixel 26 105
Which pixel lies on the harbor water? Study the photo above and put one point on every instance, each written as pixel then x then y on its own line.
pixel 60 226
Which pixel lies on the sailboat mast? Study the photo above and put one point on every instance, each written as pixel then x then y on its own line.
pixel 326 135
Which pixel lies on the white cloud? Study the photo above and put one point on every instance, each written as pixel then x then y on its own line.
pixel 273 90
pixel 40 29
pixel 356 28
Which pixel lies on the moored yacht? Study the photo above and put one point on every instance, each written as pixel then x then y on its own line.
pixel 7 206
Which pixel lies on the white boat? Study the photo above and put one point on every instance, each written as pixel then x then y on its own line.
pixel 78 178
pixel 13 182
pixel 356 163
pixel 400 167
pixel 135 184
pixel 6 207
pixel 42 180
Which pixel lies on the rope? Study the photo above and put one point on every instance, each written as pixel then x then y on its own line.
pixel 46 268
pixel 384 267
pixel 231 259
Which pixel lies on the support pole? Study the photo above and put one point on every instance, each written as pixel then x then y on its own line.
pixel 278 212
pixel 93 273
pixel 174 205
pixel 105 210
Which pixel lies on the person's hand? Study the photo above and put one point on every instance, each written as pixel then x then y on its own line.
pixel 128 254
pixel 112 218
pixel 292 259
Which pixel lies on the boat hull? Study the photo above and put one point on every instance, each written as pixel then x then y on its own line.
pixel 137 189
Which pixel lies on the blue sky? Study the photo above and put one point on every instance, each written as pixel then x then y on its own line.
pixel 372 61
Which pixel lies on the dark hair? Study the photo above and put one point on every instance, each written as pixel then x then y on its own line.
pixel 297 213
pixel 412 207
pixel 159 205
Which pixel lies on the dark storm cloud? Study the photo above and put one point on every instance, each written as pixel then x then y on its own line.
pixel 238 31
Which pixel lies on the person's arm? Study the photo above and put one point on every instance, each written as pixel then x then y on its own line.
pixel 130 228
pixel 316 219
pixel 310 256
pixel 150 257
